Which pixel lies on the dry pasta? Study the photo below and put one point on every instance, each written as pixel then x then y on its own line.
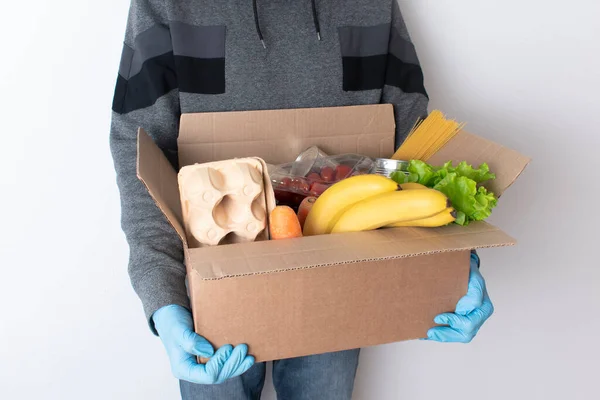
pixel 427 137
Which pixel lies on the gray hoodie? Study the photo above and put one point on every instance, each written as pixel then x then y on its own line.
pixel 187 56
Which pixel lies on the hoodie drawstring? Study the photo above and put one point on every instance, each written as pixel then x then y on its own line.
pixel 316 19
pixel 257 23
pixel 315 14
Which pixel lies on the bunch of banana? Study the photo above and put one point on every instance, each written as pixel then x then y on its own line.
pixel 443 218
pixel 367 202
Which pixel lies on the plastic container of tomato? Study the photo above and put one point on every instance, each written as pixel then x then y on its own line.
pixel 291 188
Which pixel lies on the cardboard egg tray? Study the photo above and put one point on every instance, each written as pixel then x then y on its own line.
pixel 226 202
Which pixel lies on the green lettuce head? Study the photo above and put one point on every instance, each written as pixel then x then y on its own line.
pixel 460 184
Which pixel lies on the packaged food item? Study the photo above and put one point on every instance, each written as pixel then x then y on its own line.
pixel 226 201
pixel 306 161
pixel 386 166
pixel 312 173
pixel 427 137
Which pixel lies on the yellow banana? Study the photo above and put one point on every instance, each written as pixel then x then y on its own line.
pixel 412 186
pixel 341 196
pixel 388 208
pixel 444 218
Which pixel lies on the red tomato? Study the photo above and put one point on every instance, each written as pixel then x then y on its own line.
pixel 342 171
pixel 300 185
pixel 313 176
pixel 327 174
pixel 317 188
pixel 305 187
pixel 287 182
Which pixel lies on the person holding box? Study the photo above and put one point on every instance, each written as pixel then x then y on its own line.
pixel 187 56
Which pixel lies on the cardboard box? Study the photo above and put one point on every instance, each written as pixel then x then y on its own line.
pixel 324 293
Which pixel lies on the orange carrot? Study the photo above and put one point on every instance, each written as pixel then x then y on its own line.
pixel 284 224
pixel 305 208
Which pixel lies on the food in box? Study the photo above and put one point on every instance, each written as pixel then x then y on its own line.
pixel 292 182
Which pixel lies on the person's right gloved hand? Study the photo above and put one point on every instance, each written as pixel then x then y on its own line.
pixel 176 330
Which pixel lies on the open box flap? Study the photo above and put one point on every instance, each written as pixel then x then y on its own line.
pixel 506 163
pixel 324 250
pixel 159 177
pixel 278 136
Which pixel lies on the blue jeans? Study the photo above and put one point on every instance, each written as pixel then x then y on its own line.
pixel 325 376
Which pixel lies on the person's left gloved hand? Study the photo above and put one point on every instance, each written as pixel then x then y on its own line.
pixel 470 314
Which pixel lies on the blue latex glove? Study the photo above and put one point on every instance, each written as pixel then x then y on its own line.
pixel 470 314
pixel 176 330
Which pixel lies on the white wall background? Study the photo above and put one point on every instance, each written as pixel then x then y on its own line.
pixel 525 73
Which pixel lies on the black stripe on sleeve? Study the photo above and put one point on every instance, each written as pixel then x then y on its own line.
pixel 364 73
pixel 155 79
pixel 406 76
pixel 200 75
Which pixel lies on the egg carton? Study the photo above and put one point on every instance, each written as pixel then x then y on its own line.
pixel 226 202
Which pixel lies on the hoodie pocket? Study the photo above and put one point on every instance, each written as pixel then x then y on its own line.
pixel 364 51
pixel 199 53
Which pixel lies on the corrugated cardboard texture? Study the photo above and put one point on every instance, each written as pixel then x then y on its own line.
pixel 318 251
pixel 312 311
pixel 506 163
pixel 159 177
pixel 278 136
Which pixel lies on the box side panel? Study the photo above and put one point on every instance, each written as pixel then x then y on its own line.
pixel 278 136
pixel 316 251
pixel 506 163
pixel 303 312
pixel 159 177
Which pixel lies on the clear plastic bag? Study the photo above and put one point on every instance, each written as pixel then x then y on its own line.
pixel 312 173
